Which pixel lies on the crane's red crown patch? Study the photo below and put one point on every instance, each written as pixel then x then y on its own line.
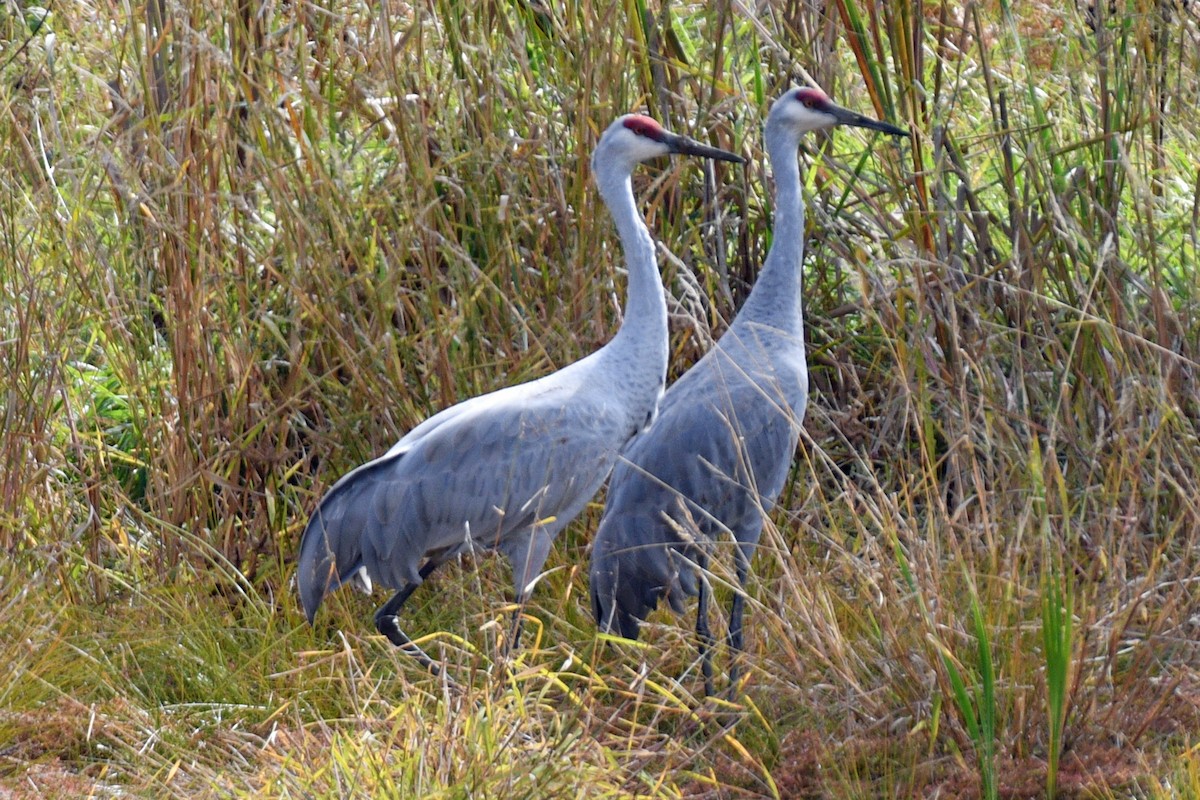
pixel 644 126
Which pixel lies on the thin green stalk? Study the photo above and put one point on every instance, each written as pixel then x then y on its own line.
pixel 977 706
pixel 1056 641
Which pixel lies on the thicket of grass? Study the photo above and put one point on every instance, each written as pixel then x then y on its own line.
pixel 244 247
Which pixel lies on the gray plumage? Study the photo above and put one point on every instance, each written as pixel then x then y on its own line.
pixel 717 456
pixel 510 469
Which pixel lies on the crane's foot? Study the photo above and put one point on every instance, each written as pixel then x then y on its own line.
pixel 389 626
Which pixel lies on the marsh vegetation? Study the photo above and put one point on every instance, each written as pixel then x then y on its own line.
pixel 244 247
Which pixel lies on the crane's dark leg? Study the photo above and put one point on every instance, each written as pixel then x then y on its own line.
pixel 742 562
pixel 515 637
pixel 527 559
pixel 517 625
pixel 389 625
pixel 703 634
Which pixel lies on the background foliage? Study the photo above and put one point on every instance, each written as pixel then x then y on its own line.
pixel 243 247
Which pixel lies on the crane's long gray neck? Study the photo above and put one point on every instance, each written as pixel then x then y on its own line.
pixel 643 334
pixel 775 299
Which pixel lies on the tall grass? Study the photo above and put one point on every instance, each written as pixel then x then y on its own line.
pixel 243 248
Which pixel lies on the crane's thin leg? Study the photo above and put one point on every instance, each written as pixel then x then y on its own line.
pixel 527 561
pixel 388 624
pixel 703 634
pixel 517 625
pixel 742 563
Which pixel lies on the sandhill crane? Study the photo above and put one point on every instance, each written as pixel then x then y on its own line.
pixel 509 469
pixel 716 457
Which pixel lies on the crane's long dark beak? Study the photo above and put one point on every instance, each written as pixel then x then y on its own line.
pixel 690 147
pixel 845 116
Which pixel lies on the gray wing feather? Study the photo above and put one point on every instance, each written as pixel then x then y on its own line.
pixel 330 551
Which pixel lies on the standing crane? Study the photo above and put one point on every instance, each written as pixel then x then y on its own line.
pixel 509 469
pixel 716 457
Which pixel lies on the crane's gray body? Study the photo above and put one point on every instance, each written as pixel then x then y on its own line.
pixel 716 458
pixel 506 470
pixel 510 469
pixel 708 469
